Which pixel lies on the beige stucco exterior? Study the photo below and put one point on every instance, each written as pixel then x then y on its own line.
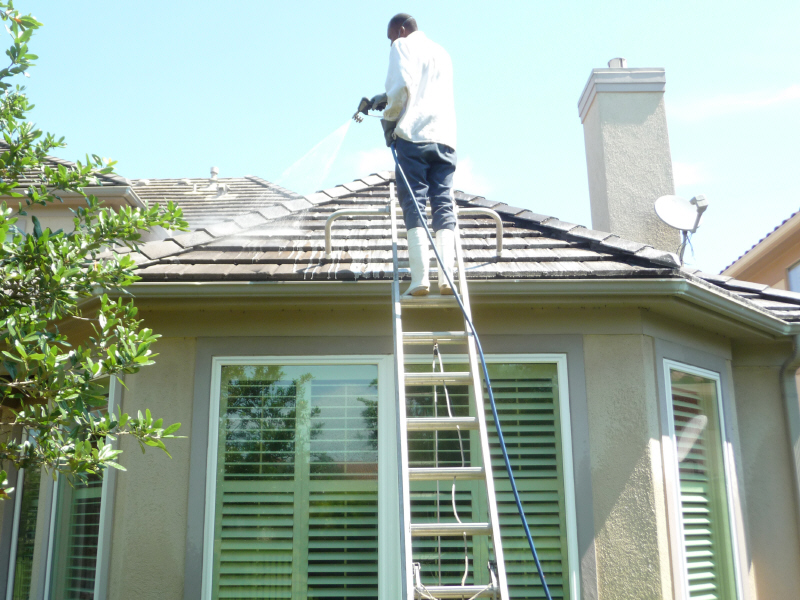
pixel 628 500
pixel 769 261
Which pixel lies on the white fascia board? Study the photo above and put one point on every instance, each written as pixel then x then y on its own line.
pixel 510 290
pixel 107 192
pixel 620 80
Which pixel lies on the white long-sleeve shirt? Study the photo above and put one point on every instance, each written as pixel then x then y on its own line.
pixel 419 88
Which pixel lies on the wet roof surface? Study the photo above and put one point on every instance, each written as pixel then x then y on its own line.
pixel 205 202
pixel 284 241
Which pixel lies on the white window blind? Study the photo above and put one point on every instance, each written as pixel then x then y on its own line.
pixel 707 548
pixel 527 402
pixel 296 483
pixel 75 545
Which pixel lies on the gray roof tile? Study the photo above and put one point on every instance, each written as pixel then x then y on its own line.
pixel 484 203
pixel 618 243
pixel 589 234
pixel 224 228
pixel 154 250
pixel 508 210
pixel 560 225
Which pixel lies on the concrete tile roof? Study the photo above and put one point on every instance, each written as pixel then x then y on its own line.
pixel 206 203
pixel 282 244
pixel 34 176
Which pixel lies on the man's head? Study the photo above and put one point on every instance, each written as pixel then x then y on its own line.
pixel 401 25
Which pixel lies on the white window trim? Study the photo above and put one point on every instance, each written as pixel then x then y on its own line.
pixel 12 558
pixel 560 360
pixel 388 520
pixel 671 460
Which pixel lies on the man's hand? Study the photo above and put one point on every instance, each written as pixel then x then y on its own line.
pixel 388 131
pixel 379 102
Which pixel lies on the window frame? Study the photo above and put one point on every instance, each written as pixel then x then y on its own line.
pixel 49 486
pixel 670 457
pixel 560 360
pixel 388 497
pixel 388 578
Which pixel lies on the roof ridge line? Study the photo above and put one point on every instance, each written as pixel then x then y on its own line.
pixel 601 239
pixel 352 187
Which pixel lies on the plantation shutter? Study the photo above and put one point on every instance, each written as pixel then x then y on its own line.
pixel 76 540
pixel 703 500
pixel 527 402
pixel 297 511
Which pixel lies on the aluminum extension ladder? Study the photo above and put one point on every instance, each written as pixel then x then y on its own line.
pixel 412 586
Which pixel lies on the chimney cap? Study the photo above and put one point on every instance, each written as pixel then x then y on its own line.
pixel 618 63
pixel 616 80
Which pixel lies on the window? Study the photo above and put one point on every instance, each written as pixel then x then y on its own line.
pixel 296 502
pixel 794 277
pixel 26 512
pixel 64 557
pixel 293 480
pixel 532 412
pixel 76 539
pixel 696 427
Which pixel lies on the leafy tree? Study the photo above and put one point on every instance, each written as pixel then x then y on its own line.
pixel 52 396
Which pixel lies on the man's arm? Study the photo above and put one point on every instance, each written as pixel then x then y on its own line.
pixel 397 81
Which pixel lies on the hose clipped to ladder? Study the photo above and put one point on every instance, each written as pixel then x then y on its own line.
pixel 485 376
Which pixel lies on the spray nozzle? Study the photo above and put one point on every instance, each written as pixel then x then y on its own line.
pixel 378 102
pixel 363 108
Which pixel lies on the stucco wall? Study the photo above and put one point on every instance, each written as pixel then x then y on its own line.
pixel 149 536
pixel 627 485
pixel 774 537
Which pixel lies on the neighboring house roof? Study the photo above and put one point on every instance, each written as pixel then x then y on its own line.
pixel 285 242
pixel 787 227
pixel 206 202
pixel 34 176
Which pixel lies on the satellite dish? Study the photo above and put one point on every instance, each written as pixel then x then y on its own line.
pixel 681 213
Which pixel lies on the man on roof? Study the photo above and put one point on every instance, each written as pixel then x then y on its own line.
pixel 419 119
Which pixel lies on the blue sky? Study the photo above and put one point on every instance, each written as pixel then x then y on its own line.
pixel 169 89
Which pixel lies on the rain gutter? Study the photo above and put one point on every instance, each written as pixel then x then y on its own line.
pixel 505 291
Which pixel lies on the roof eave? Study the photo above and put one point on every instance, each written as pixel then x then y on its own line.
pixel 511 289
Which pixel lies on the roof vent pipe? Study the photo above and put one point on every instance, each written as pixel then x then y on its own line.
pixel 213 184
pixel 617 63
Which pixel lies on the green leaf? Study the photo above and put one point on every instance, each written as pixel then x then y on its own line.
pixel 172 429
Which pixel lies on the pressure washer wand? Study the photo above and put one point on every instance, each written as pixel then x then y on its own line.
pixel 375 103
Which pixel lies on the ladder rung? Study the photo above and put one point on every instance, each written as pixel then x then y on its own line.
pixel 436 529
pixel 441 423
pixel 434 337
pixel 429 301
pixel 459 591
pixel 439 473
pixel 446 378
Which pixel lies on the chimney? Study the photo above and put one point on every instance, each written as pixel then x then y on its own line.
pixel 627 152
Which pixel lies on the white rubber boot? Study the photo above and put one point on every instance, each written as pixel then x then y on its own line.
pixel 446 246
pixel 419 257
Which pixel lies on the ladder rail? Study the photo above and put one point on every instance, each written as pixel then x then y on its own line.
pixel 480 413
pixel 407 572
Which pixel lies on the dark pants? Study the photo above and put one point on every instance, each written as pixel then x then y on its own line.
pixel 429 168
